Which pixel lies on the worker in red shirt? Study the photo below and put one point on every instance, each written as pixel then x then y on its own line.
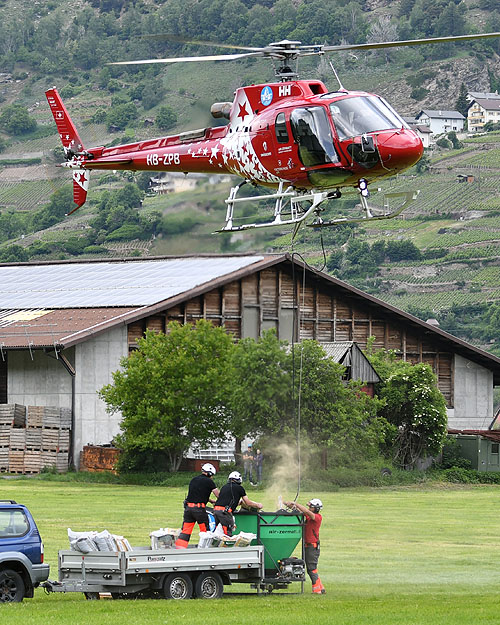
pixel 313 522
pixel 200 490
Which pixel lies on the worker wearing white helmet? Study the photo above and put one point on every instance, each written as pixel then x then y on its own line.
pixel 230 497
pixel 200 490
pixel 313 522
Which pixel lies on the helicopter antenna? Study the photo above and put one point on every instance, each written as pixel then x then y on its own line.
pixel 341 86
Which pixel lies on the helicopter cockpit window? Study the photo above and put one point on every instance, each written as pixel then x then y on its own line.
pixel 312 133
pixel 280 127
pixel 359 115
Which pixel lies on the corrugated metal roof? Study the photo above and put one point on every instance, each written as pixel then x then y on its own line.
pixel 489 434
pixel 336 351
pixel 139 283
pixel 54 326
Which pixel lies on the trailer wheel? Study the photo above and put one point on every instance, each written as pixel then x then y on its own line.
pixel 209 586
pixel 12 588
pixel 92 596
pixel 178 586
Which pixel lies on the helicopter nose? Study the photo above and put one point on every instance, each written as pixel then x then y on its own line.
pixel 399 149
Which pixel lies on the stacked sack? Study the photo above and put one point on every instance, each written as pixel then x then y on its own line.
pixel 87 542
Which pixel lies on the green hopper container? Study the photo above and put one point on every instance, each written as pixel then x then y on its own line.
pixel 279 532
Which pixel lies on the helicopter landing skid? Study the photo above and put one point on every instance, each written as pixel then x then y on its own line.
pixel 371 212
pixel 287 208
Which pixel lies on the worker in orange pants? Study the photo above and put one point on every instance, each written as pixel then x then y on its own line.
pixel 200 490
pixel 313 522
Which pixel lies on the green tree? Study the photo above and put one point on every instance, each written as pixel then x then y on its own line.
pixel 452 136
pixel 16 120
pixel 171 391
pixel 261 382
pixel 462 104
pixel 413 405
pixel 166 118
pixel 273 385
pixel 121 115
pixel 335 414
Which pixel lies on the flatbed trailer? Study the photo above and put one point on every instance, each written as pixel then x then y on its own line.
pixel 171 573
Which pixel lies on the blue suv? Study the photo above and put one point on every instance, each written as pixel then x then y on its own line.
pixel 21 553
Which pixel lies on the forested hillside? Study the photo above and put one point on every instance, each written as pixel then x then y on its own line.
pixel 440 259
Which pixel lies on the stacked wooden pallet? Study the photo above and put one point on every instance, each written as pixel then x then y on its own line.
pixel 12 417
pixel 43 442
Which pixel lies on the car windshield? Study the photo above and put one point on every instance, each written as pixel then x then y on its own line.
pixel 362 114
pixel 13 523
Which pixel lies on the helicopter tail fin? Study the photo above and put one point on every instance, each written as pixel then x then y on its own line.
pixel 80 187
pixel 73 147
pixel 70 138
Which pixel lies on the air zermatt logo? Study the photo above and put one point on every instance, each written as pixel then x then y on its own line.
pixel 266 96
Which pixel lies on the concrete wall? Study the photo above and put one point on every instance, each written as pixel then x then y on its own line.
pixel 40 380
pixel 473 393
pixel 43 381
pixel 95 360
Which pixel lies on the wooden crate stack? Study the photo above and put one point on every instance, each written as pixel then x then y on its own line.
pixel 12 419
pixel 34 440
pixel 50 438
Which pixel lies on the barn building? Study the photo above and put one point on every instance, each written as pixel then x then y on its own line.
pixel 64 326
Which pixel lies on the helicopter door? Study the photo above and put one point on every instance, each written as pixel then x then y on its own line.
pixel 313 136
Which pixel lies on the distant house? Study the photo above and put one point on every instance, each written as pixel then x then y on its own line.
pixel 481 95
pixel 482 111
pixel 441 121
pixel 423 131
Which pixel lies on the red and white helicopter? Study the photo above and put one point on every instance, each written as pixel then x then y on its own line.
pixel 294 136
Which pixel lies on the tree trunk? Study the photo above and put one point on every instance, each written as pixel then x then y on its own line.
pixel 237 452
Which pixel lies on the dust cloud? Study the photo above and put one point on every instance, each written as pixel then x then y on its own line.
pixel 289 464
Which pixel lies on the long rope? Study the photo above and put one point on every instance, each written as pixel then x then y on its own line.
pixel 297 404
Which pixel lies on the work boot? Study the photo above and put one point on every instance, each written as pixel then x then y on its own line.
pixel 318 588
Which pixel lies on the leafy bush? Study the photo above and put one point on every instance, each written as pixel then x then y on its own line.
pixel 94 249
pixel 452 455
pixel 419 93
pixel 177 224
pixel 16 120
pixel 443 142
pixel 126 233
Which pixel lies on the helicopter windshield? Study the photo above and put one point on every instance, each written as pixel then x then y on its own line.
pixel 363 114
pixel 312 133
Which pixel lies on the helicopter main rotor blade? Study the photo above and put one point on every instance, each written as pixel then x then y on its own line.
pixel 183 59
pixel 196 42
pixel 408 42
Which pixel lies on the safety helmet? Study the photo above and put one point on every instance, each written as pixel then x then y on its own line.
pixel 235 476
pixel 209 468
pixel 316 503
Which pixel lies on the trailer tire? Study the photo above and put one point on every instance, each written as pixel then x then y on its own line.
pixel 92 596
pixel 178 586
pixel 209 585
pixel 12 588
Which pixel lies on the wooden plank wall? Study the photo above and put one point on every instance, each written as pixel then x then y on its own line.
pixel 325 314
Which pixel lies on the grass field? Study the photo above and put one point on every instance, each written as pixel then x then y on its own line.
pixel 405 556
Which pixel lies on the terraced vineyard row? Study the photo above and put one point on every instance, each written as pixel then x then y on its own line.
pixel 441 300
pixel 453 239
pixel 483 275
pixel 28 195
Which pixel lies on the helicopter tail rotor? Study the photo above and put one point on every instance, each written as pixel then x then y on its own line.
pixel 73 147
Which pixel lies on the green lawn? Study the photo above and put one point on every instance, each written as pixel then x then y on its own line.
pixel 389 556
